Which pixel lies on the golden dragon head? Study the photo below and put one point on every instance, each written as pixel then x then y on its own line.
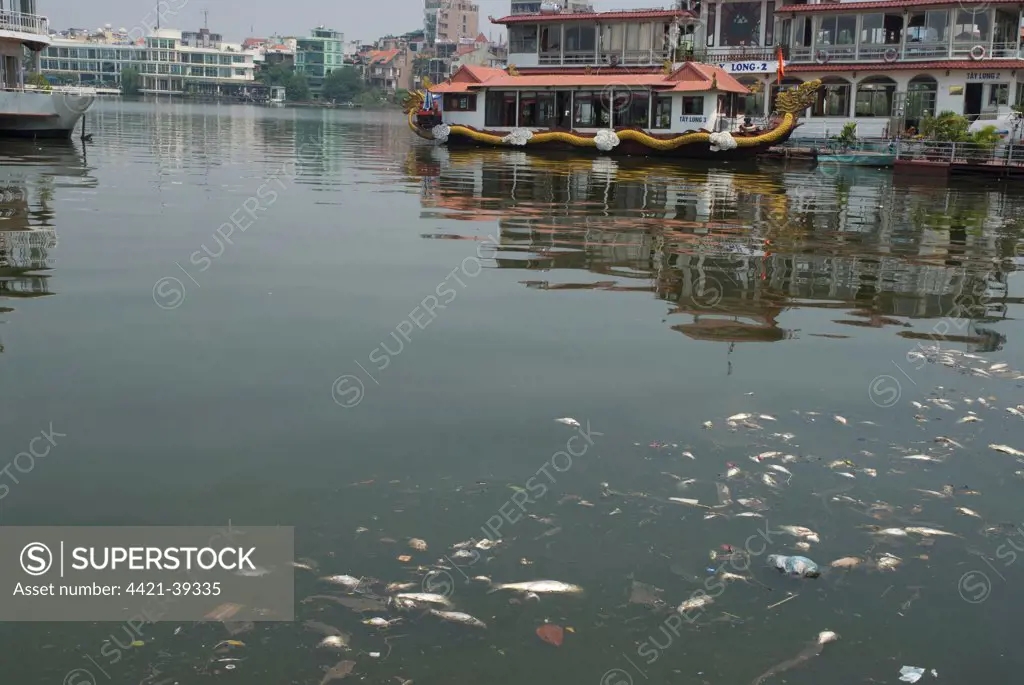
pixel 413 101
pixel 795 100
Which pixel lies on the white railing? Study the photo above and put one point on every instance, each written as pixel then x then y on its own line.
pixel 1002 154
pixel 24 23
pixel 895 52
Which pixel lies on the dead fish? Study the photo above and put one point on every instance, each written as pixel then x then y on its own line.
pixel 948 441
pixel 343 580
pixel 781 469
pixel 888 562
pixel 1006 449
pixel 689 455
pixel 340 670
pixel 540 587
pixel 725 575
pixel 869 472
pixel 732 470
pixel 827 636
pixel 847 562
pixel 968 512
pixel 892 532
pixel 459 617
pixel 739 417
pixel 694 603
pixel 751 502
pixel 1015 412
pixel 922 457
pixel 845 474
pixel 969 419
pixel 801 532
pixel 839 419
pixel 749 514
pixel 418 545
pixel 769 480
pixel 928 532
pixel 424 598
pixel 803 546
pixel 766 417
pixel 839 462
pixel 932 493
pixel 706 425
pixel 765 455
pixel 334 642
pixel 999 367
pixel 399 587
pixel 487 544
pixel 569 422
pixel 378 622
pixel 688 501
pixel 303 567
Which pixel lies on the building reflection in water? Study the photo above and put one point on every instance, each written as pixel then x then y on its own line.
pixel 731 250
pixel 30 176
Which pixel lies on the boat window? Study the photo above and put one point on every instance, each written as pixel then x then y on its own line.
pixel 972 25
pixel 837 30
pixel 590 109
pixel 875 97
pixel 693 104
pixel 802 32
pixel 459 102
pixel 523 39
pixel 928 27
pixel 611 38
pixel 922 92
pixel 580 38
pixel 662 111
pixel 636 110
pixel 1000 94
pixel 711 23
pixel 751 104
pixel 551 39
pixel 833 99
pixel 500 108
pixel 536 109
pixel 741 23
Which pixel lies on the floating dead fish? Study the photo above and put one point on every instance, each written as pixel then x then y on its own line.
pixel 917 405
pixel 766 417
pixel 839 419
pixel 725 575
pixel 343 580
pixel 340 670
pixel 706 425
pixel 739 417
pixel 932 493
pixel 569 421
pixel 724 496
pixel 688 455
pixel 751 503
pixel 540 587
pixel 781 469
pixel 337 642
pixel 399 587
pixel 487 544
pixel 968 512
pixel 840 462
pixel 378 622
pixel 1006 449
pixel 847 562
pixel 749 514
pixel 845 474
pixel 892 532
pixel 827 636
pixel 888 562
pixel 1016 412
pixel 999 367
pixel 303 567
pixel 423 598
pixel 948 441
pixel 765 455
pixel 803 546
pixel 769 480
pixel 732 470
pixel 459 617
pixel 687 501
pixel 418 545
pixel 801 532
pixel 694 603
pixel 929 532
pixel 869 472
pixel 969 419
pixel 922 457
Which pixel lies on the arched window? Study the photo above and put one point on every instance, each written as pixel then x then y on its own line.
pixel 752 104
pixel 833 99
pixel 921 96
pixel 787 83
pixel 875 96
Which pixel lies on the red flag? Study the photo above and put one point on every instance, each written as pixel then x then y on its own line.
pixel 782 66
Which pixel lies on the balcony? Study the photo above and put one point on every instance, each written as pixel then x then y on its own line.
pixel 24 23
pixel 910 52
pixel 733 54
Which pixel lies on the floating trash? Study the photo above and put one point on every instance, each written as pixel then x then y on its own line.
pixel 794 565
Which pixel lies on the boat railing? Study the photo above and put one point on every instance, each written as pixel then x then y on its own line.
pixel 24 23
pixel 736 54
pixel 943 152
pixel 70 90
pixel 891 52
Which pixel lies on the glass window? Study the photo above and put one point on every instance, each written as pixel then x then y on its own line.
pixel 999 94
pixel 874 98
pixel 612 38
pixel 928 27
pixel 580 38
pixel 590 109
pixel 522 39
pixel 662 111
pixel 832 100
pixel 693 104
pixel 837 30
pixel 741 23
pixel 921 95
pixel 500 108
pixel 751 104
pixel 711 22
pixel 459 102
pixel 972 25
pixel 635 111
pixel 551 39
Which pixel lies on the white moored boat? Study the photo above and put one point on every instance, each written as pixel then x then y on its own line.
pixel 28 110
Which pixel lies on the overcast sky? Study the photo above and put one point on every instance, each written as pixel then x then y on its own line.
pixel 237 19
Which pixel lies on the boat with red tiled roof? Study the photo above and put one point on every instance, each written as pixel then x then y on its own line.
pixel 673 112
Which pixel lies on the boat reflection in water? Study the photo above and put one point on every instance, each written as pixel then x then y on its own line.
pixel 29 175
pixel 732 252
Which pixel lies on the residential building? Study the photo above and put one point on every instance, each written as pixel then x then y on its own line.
pixel 457 19
pixel 478 53
pixel 430 10
pixel 534 6
pixel 318 55
pixel 166 63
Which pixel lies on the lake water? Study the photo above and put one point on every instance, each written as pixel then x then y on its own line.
pixel 382 352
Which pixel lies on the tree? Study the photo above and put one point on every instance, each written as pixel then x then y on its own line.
pixel 130 81
pixel 343 85
pixel 297 88
pixel 275 75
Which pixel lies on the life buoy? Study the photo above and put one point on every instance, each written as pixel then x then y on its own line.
pixel 978 52
pixel 891 55
pixel 821 56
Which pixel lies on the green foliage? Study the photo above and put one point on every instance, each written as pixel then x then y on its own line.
pixel 39 81
pixel 275 75
pixel 297 88
pixel 946 127
pixel 130 81
pixel 343 85
pixel 847 138
pixel 987 138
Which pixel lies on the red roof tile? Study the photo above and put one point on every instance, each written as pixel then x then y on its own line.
pixel 888 4
pixel 980 65
pixel 593 16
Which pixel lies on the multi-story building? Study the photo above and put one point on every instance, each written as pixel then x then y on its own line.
pixel 169 62
pixel 430 10
pixel 457 19
pixel 534 6
pixel 318 55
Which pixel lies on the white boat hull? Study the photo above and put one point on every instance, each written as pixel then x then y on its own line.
pixel 43 114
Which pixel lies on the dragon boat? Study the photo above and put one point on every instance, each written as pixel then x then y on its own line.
pixel 671 113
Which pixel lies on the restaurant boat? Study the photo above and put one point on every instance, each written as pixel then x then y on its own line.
pixel 613 111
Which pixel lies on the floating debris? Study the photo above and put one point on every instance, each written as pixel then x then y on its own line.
pixel 847 562
pixel 540 587
pixel 840 419
pixel 551 633
pixel 418 545
pixel 911 674
pixel 337 642
pixel 1007 450
pixel 459 617
pixel 695 603
pixel 888 562
pixel 794 565
pixel 340 670
pixel 350 582
pixel 569 421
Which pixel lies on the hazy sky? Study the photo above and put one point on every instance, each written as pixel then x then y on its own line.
pixel 237 19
